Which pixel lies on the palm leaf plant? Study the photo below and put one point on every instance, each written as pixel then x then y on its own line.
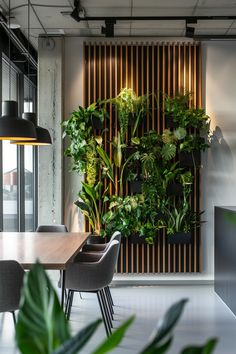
pixel 90 197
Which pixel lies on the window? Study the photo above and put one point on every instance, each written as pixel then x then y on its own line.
pixel 19 168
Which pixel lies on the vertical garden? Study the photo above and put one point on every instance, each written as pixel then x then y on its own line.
pixel 140 154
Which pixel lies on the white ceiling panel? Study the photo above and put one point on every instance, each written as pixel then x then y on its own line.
pixel 51 18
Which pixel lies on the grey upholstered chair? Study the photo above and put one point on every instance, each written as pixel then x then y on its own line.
pixel 52 228
pixel 93 276
pixel 98 247
pixel 11 281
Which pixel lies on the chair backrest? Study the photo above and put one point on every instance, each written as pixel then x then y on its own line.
pixel 52 228
pixel 116 236
pixel 107 263
pixel 92 276
pixel 11 281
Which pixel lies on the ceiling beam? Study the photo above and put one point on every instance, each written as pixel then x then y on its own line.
pixel 151 18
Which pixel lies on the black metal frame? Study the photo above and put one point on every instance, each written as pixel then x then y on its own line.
pixel 20 154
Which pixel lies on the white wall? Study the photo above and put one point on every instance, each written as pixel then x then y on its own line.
pixel 73 97
pixel 219 162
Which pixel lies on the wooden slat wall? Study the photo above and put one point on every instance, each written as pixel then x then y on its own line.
pixel 162 67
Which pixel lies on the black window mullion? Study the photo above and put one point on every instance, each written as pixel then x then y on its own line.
pixel 1 166
pixel 35 186
pixel 21 162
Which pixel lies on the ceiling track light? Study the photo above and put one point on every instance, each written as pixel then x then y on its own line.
pixel 108 30
pixel 189 28
pixel 79 12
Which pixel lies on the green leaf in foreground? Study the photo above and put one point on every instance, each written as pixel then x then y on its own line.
pixel 41 325
pixel 165 327
pixel 74 344
pixel 114 340
pixel 207 348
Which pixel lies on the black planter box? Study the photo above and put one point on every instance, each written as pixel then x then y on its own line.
pixel 130 150
pixel 95 239
pixel 135 186
pixel 136 239
pixel 96 123
pixel 179 238
pixel 175 189
pixel 188 159
pixel 169 122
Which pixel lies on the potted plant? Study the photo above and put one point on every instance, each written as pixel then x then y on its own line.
pixel 180 222
pixel 88 203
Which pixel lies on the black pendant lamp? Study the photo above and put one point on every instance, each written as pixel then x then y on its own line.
pixel 12 126
pixel 43 136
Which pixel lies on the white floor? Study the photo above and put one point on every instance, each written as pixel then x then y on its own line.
pixel 205 316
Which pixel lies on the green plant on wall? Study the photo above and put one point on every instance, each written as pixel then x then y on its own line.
pixel 152 159
pixel 181 219
pixel 81 147
pixel 88 202
pixel 129 107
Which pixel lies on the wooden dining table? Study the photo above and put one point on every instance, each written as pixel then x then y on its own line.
pixel 54 250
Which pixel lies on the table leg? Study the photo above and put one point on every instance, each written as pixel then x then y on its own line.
pixel 63 278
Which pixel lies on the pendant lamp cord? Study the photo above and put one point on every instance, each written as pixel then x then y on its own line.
pixel 9 47
pixel 28 54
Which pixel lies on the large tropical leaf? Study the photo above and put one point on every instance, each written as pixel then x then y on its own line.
pixel 90 190
pixel 114 340
pixel 163 332
pixel 207 348
pixel 41 326
pixel 168 151
pixel 74 344
pixel 102 153
pixel 117 150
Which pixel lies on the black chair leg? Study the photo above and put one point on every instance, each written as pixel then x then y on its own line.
pixel 109 307
pixel 67 302
pixel 70 304
pixel 80 295
pixel 109 302
pixel 108 331
pixel 109 292
pixel 106 308
pixel 14 317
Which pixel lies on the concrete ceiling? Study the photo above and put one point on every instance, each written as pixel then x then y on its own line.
pixel 46 16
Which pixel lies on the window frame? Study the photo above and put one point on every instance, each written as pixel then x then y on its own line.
pixel 20 156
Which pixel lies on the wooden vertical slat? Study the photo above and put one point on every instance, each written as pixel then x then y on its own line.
pixel 163 124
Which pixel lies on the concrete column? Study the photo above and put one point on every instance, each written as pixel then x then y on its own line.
pixel 50 116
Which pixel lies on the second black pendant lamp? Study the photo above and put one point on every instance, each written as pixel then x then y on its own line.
pixel 42 135
pixel 12 126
